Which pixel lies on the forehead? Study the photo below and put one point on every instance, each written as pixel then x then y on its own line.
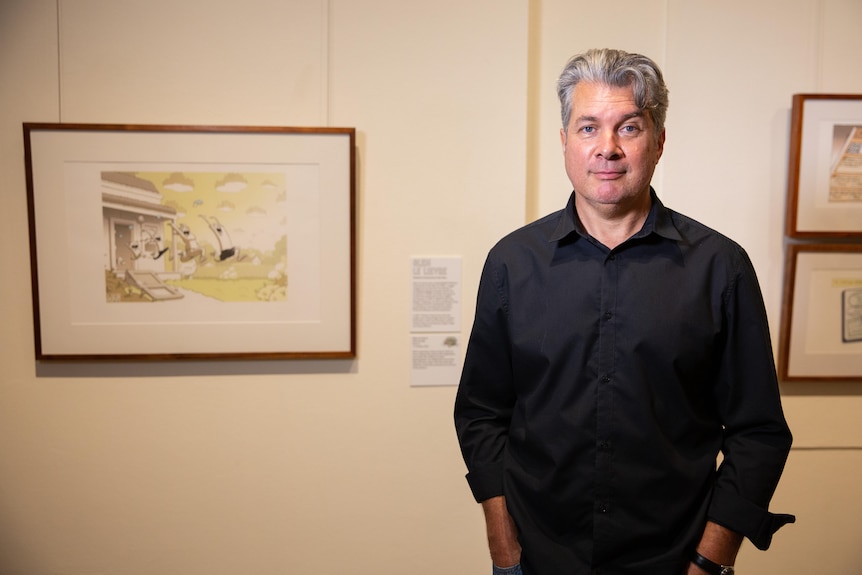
pixel 593 100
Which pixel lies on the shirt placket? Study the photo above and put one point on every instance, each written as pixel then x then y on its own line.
pixel 604 494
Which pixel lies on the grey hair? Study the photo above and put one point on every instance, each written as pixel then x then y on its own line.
pixel 618 69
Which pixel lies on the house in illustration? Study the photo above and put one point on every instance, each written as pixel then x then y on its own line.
pixel 134 223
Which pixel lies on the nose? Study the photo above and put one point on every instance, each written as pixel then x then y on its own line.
pixel 609 147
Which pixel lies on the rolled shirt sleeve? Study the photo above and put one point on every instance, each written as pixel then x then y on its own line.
pixel 756 438
pixel 485 399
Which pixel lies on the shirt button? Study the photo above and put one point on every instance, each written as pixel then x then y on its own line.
pixel 604 445
pixel 606 379
pixel 608 315
pixel 604 507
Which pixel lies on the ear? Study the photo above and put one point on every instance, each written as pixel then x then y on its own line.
pixel 661 139
pixel 563 135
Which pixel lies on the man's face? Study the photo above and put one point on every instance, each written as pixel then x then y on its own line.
pixel 611 147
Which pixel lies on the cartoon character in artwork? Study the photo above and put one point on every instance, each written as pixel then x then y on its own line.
pixel 153 245
pixel 136 247
pixel 191 249
pixel 226 247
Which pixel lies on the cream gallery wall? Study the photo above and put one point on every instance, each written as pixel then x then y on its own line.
pixel 331 465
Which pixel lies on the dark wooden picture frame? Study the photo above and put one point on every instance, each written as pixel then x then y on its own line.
pixel 158 242
pixel 821 316
pixel 824 192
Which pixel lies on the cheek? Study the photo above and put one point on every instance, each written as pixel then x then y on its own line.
pixel 575 156
pixel 646 156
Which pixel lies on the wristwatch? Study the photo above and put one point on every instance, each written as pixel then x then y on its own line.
pixel 711 567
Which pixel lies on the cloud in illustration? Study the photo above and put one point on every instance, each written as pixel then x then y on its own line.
pixel 179 182
pixel 226 207
pixel 255 211
pixel 231 183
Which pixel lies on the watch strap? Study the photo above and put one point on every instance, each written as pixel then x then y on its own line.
pixel 711 567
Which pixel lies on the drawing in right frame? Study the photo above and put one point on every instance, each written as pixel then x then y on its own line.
pixel 824 191
pixel 821 317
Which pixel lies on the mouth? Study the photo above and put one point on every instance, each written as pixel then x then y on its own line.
pixel 608 174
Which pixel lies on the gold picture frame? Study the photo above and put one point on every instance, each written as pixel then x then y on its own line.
pixel 824 189
pixel 821 316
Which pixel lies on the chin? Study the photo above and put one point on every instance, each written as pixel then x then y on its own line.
pixel 615 197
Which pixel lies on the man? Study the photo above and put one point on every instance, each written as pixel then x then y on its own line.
pixel 618 348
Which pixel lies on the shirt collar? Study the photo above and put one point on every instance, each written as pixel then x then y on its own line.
pixel 659 221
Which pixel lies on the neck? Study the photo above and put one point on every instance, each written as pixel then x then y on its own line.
pixel 612 224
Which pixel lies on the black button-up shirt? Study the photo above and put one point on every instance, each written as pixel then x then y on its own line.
pixel 599 387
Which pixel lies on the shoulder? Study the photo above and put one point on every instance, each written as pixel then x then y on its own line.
pixel 520 254
pixel 535 237
pixel 695 233
pixel 708 246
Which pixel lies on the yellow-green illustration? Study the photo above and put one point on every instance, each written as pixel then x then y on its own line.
pixel 173 235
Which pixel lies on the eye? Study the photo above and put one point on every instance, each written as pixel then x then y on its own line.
pixel 588 129
pixel 630 129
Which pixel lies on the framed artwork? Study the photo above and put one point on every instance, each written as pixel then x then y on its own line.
pixel 191 242
pixel 824 193
pixel 821 316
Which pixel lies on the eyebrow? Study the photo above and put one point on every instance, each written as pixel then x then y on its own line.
pixel 629 116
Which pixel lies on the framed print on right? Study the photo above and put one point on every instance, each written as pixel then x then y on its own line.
pixel 824 186
pixel 821 316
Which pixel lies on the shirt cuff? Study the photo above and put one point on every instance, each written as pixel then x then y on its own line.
pixel 486 482
pixel 743 516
